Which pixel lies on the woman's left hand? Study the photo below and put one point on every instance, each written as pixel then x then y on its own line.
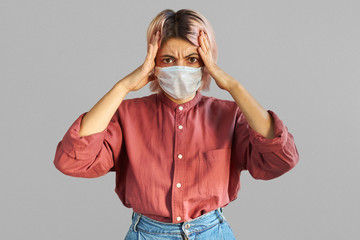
pixel 258 119
pixel 222 79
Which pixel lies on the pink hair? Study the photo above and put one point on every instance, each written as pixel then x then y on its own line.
pixel 185 24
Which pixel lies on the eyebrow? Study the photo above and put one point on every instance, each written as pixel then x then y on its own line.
pixel 166 55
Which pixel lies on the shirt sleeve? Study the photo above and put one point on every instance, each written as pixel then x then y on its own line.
pixel 265 158
pixel 89 156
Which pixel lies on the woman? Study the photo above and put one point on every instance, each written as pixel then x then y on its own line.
pixel 177 154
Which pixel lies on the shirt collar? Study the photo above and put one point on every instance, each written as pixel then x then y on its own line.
pixel 163 98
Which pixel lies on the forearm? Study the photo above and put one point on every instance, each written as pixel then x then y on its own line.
pixel 98 118
pixel 257 117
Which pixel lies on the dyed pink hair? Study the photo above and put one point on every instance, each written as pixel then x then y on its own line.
pixel 184 24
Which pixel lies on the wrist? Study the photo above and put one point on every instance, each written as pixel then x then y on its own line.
pixel 234 86
pixel 121 87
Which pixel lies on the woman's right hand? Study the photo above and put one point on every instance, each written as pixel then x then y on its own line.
pixel 140 76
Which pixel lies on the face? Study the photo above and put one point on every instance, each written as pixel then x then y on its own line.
pixel 178 52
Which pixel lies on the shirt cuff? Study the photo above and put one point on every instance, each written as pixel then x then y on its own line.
pixel 82 148
pixel 264 145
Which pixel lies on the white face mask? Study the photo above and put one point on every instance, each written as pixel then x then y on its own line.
pixel 179 82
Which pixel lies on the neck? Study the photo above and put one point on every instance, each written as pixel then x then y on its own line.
pixel 180 101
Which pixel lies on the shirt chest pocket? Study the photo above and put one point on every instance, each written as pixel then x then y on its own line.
pixel 214 170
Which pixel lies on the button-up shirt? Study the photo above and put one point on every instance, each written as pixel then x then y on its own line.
pixel 175 162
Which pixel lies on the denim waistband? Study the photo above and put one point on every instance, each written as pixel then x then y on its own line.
pixel 201 223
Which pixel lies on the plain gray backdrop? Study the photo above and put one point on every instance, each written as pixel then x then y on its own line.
pixel 298 58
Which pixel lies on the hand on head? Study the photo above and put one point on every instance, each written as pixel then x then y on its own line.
pixel 205 51
pixel 140 76
pixel 152 50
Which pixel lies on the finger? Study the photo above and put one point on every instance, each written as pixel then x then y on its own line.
pixel 150 42
pixel 152 51
pixel 202 44
pixel 155 44
pixel 149 50
pixel 155 48
pixel 152 39
pixel 206 40
pixel 202 38
pixel 203 55
pixel 201 52
pixel 149 54
pixel 156 40
pixel 150 47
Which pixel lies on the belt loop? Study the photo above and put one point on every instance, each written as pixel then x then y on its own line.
pixel 219 210
pixel 137 221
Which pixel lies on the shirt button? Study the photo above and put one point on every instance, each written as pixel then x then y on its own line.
pixel 180 156
pixel 181 127
pixel 178 219
pixel 181 108
pixel 178 185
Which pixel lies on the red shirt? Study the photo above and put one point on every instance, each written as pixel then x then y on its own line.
pixel 176 162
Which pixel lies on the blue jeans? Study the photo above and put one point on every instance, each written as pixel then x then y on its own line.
pixel 212 225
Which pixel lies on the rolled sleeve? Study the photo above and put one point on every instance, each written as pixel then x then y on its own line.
pixel 85 147
pixel 89 156
pixel 266 158
pixel 265 145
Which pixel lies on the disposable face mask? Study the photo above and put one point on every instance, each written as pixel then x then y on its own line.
pixel 179 82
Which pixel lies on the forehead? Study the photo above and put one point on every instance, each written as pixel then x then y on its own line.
pixel 177 46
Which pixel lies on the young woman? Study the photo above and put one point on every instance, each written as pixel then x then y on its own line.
pixel 177 154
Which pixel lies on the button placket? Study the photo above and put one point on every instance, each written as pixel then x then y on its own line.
pixel 179 166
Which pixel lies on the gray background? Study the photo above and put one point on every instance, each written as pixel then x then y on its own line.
pixel 298 58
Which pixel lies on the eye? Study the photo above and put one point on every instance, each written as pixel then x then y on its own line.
pixel 167 60
pixel 193 60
